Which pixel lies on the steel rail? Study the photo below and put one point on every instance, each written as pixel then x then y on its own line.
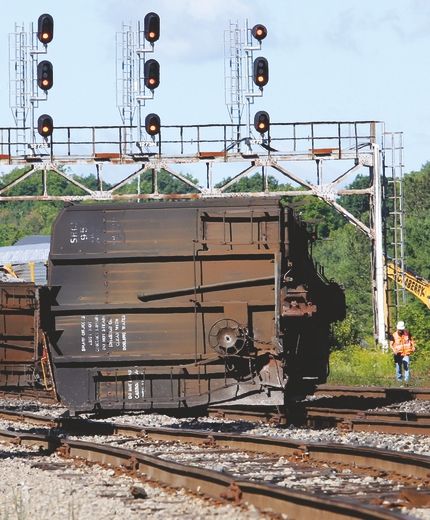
pixel 359 420
pixel 388 416
pixel 389 393
pixel 296 504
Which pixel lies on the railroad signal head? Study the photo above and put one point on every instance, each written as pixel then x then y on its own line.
pixel 152 124
pixel 152 27
pixel 45 28
pixel 45 125
pixel 262 121
pixel 261 72
pixel 259 32
pixel 45 75
pixel 152 74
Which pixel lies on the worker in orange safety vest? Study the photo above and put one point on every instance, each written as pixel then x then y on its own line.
pixel 402 345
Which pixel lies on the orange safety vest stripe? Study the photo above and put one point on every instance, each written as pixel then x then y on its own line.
pixel 402 344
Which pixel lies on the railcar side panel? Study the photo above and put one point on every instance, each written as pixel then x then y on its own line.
pixel 18 334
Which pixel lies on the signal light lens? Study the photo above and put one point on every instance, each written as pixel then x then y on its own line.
pixel 152 27
pixel 261 122
pixel 152 124
pixel 261 72
pixel 45 28
pixel 259 32
pixel 45 125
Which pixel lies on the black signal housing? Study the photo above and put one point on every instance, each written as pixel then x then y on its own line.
pixel 152 74
pixel 45 75
pixel 261 72
pixel 262 122
pixel 45 125
pixel 151 27
pixel 45 28
pixel 259 32
pixel 152 124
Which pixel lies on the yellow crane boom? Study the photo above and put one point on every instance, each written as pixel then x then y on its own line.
pixel 418 286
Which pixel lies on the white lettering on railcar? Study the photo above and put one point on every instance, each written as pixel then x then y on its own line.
pixel 124 332
pixel 83 342
pixel 80 233
pixel 110 333
pixel 97 333
pixel 135 385
pixel 129 386
pixel 103 332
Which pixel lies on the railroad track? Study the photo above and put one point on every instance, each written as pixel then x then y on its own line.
pixel 404 423
pixel 233 482
pixel 356 417
pixel 389 395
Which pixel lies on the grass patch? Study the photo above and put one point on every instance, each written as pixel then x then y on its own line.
pixel 371 367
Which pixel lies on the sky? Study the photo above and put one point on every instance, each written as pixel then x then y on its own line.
pixel 331 60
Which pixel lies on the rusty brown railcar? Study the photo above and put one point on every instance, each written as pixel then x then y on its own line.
pixel 19 334
pixel 184 304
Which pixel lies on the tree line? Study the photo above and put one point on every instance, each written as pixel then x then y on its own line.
pixel 342 249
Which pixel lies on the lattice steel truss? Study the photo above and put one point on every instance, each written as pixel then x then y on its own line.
pixel 302 153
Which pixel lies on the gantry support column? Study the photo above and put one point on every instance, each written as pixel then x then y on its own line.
pixel 378 261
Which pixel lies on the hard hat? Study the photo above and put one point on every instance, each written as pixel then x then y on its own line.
pixel 400 325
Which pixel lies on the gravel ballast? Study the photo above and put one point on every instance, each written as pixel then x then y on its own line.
pixel 51 488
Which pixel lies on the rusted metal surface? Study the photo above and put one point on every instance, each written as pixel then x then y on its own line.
pixel 18 334
pixel 183 304
pixel 296 504
pixel 400 463
pixel 404 418
pixel 390 426
pixel 317 417
pixel 37 394
pixel 390 394
pixel 268 414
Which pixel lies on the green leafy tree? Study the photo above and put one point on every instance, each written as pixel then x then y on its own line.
pixel 254 183
pixel 358 205
pixel 21 218
pixel 417 220
pixel 167 183
pixel 416 191
pixel 316 212
pixel 417 319
pixel 346 258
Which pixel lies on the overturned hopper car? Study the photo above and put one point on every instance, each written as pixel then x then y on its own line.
pixel 184 304
pixel 19 333
pixel 172 305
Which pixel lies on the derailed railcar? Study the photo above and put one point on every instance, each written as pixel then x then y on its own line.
pixel 184 304
pixel 20 337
